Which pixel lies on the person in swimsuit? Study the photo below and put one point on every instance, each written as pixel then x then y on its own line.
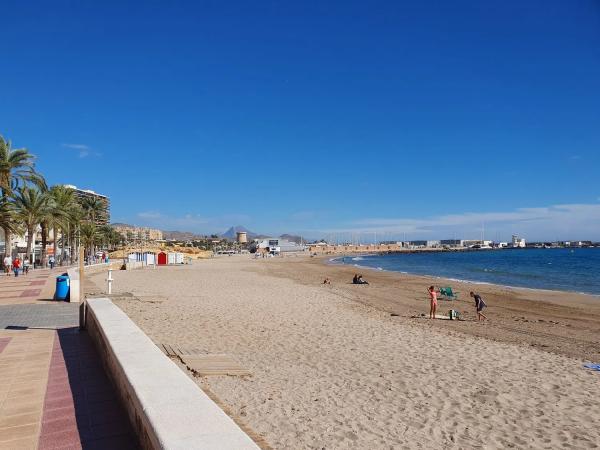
pixel 479 305
pixel 432 302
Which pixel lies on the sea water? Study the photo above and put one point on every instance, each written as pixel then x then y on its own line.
pixel 563 269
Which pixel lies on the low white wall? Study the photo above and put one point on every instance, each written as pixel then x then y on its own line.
pixel 167 409
pixel 73 274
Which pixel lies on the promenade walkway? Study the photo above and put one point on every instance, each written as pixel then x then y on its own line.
pixel 54 393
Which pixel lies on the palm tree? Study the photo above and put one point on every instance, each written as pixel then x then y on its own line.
pixel 94 208
pixel 74 220
pixel 89 235
pixel 32 208
pixel 7 217
pixel 63 206
pixel 17 169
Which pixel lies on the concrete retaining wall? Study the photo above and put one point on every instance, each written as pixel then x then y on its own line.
pixel 167 409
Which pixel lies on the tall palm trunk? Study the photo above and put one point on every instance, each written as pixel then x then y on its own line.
pixel 54 243
pixel 7 243
pixel 71 246
pixel 44 243
pixel 62 245
pixel 30 240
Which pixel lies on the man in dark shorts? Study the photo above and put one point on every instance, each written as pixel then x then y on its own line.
pixel 479 305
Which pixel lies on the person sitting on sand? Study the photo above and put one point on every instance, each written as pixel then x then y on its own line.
pixel 432 302
pixel 326 281
pixel 479 305
pixel 355 279
pixel 361 281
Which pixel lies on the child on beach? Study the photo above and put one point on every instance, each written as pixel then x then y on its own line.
pixel 432 302
pixel 479 305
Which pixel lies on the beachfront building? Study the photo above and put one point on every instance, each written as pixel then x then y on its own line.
pixel 133 233
pixel 451 243
pixel 396 243
pixel 579 244
pixel 19 245
pixel 518 242
pixel 81 194
pixel 277 246
pixel 477 243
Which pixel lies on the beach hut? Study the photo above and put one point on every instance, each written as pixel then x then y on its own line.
pixel 162 259
pixel 175 258
pixel 150 259
pixel 145 257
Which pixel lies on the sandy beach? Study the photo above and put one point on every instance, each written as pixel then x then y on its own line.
pixel 342 366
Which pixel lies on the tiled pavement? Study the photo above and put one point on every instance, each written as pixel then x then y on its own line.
pixel 54 393
pixel 41 314
pixel 35 286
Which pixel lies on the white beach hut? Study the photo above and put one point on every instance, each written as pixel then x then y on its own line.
pixel 175 258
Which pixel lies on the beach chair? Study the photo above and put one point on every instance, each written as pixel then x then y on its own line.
pixel 448 294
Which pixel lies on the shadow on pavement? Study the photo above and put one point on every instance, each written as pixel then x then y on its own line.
pixel 81 408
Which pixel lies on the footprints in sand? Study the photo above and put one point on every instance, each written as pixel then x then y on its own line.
pixel 532 320
pixel 330 376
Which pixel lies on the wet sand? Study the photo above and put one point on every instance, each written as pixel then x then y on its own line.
pixel 333 368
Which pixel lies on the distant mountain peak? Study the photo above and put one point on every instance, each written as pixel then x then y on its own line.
pixel 232 232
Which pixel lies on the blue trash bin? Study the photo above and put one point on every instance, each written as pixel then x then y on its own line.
pixel 62 287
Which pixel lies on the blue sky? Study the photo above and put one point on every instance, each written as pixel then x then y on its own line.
pixel 425 118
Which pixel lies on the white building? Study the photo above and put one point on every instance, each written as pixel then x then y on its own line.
pixel 276 246
pixel 518 242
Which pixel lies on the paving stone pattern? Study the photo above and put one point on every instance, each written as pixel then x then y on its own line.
pixel 51 315
pixel 54 393
pixel 81 409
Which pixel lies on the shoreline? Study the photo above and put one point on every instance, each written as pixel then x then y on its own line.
pixel 458 280
pixel 565 323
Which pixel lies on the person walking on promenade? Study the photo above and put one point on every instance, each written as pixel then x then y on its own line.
pixel 51 261
pixel 432 302
pixel 16 264
pixel 479 305
pixel 7 263
pixel 26 266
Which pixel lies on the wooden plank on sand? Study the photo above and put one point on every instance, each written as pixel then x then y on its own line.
pixel 206 365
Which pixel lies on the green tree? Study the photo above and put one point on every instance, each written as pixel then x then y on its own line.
pixel 63 206
pixel 75 219
pixel 17 169
pixel 89 235
pixel 94 208
pixel 7 217
pixel 32 207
